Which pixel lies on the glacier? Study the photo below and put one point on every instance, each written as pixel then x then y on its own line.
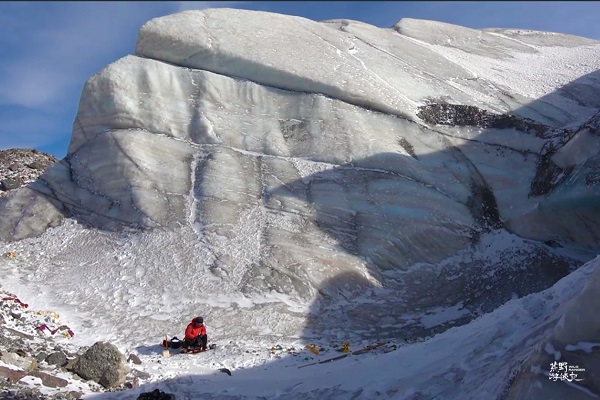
pixel 408 181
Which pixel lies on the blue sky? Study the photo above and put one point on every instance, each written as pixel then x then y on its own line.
pixel 49 49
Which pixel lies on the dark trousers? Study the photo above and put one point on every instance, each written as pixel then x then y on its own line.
pixel 199 341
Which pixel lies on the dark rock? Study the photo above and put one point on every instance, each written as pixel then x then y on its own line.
pixel 548 176
pixel 294 129
pixel 12 375
pixel 409 148
pixel 134 359
pixel 57 358
pixel 11 183
pixel 135 383
pixel 483 206
pixel 553 244
pixel 37 165
pixel 41 356
pixel 49 380
pixel 462 115
pixel 156 395
pixel 141 374
pixel 592 179
pixel 103 363
pixel 23 394
pixel 22 353
pixel 13 167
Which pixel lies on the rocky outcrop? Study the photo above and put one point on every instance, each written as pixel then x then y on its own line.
pixel 19 167
pixel 25 212
pixel 463 115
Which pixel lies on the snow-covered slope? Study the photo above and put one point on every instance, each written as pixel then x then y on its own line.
pixel 322 182
pixel 261 339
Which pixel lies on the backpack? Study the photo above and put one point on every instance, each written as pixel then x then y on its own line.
pixel 175 343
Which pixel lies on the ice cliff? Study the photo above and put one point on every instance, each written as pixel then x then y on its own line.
pixel 300 151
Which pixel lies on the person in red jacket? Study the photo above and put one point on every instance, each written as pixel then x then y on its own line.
pixel 195 334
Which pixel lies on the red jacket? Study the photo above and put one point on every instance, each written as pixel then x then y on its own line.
pixel 191 331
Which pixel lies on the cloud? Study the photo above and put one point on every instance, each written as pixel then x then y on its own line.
pixel 54 48
pixel 49 51
pixel 55 51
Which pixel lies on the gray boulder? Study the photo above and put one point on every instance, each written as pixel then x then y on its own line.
pixel 134 359
pixel 11 183
pixel 41 356
pixel 102 363
pixel 37 165
pixel 50 380
pixel 57 358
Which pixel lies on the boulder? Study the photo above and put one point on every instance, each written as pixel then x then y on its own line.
pixel 17 360
pixel 41 356
pixel 37 165
pixel 140 374
pixel 57 358
pixel 134 359
pixel 49 380
pixel 102 363
pixel 12 375
pixel 11 183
